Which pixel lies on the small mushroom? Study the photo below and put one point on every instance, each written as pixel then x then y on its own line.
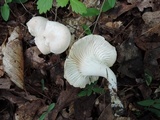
pixel 50 36
pixel 89 58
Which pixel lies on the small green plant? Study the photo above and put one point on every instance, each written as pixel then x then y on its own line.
pixel 148 78
pixel 108 4
pixel 86 29
pixel 77 6
pixel 151 105
pixel 51 106
pixel 89 89
pixel 45 5
pixel 5 9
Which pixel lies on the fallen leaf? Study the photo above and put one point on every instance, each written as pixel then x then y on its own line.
pixel 13 58
pixel 123 118
pixel 106 114
pixel 83 107
pixel 131 62
pixel 5 83
pixel 6 108
pixel 145 91
pixel 1 64
pixel 142 4
pixel 32 57
pixel 151 64
pixel 152 20
pixel 64 99
pixel 114 25
pixel 28 111
pixel 1 71
pixel 148 42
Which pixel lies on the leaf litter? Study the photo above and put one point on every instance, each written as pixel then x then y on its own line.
pixel 131 26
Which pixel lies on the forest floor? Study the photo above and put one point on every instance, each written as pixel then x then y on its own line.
pixel 132 27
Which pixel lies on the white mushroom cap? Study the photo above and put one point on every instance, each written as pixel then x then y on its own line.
pixel 36 25
pixel 50 36
pixel 89 58
pixel 39 41
pixel 57 37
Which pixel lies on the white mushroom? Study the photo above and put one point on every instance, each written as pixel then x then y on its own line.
pixel 50 36
pixel 36 25
pixel 39 41
pixel 89 58
pixel 57 37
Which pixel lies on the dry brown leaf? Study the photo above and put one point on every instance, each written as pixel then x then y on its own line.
pixel 28 111
pixel 1 64
pixel 152 20
pixel 153 30
pixel 32 57
pixel 114 25
pixel 83 107
pixel 142 3
pixel 13 59
pixel 5 83
pixel 106 114
pixel 64 99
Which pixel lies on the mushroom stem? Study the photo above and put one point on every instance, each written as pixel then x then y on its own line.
pixel 104 71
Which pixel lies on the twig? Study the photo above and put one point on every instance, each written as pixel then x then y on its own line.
pixel 98 17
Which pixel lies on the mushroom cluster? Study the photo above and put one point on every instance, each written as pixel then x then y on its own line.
pixel 91 57
pixel 50 36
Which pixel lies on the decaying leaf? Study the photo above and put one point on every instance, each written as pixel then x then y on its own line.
pixel 152 20
pixel 32 57
pixel 83 107
pixel 5 83
pixel 13 58
pixel 64 99
pixel 1 64
pixel 29 110
pixel 142 3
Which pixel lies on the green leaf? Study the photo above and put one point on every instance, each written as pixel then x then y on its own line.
pixel 89 92
pixel 146 103
pixel 148 78
pixel 78 6
pixel 111 3
pixel 155 111
pixel 157 106
pixel 19 1
pixel 51 106
pixel 44 5
pixel 82 93
pixel 98 90
pixel 108 5
pixel 42 117
pixel 86 29
pixel 5 11
pixel 157 101
pixel 91 12
pixel 62 3
pixel 8 1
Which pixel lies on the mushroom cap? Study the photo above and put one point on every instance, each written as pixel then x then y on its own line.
pixel 36 25
pixel 50 36
pixel 88 59
pixel 57 37
pixel 39 41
